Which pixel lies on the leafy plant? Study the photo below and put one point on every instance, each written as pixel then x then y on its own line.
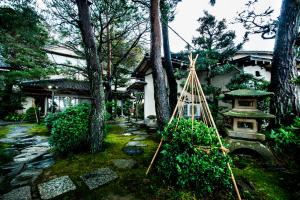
pixel 287 137
pixel 70 129
pixel 51 117
pixel 14 117
pixel 193 159
pixel 30 114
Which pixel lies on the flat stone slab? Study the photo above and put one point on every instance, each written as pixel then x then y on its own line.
pixel 127 134
pixel 22 193
pixel 26 177
pixel 124 163
pixel 139 133
pixel 133 151
pixel 141 138
pixel 135 144
pixel 56 187
pixel 99 177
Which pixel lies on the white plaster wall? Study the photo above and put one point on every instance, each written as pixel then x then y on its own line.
pixel 149 104
pixel 26 104
pixel 263 72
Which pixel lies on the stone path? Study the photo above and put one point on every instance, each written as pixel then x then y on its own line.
pixel 30 156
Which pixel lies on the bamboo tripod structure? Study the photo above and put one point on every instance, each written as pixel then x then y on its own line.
pixel 196 93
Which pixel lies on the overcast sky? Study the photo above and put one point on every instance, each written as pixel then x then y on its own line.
pixel 188 11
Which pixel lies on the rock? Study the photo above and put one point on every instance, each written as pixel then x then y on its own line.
pixel 124 163
pixel 99 177
pixel 136 144
pixel 127 134
pixel 56 187
pixel 132 129
pixel 139 133
pixel 141 138
pixel 42 164
pixel 12 169
pixel 27 157
pixel 132 151
pixel 26 177
pixel 32 153
pixel 22 193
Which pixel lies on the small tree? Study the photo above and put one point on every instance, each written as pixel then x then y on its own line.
pixel 216 46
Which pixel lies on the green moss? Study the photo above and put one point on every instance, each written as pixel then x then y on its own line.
pixel 4 130
pixel 266 182
pixel 38 129
pixel 130 181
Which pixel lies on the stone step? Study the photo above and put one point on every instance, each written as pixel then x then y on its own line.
pixel 56 187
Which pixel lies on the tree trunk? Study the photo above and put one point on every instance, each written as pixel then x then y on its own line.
pixel 109 61
pixel 168 64
pixel 95 78
pixel 286 98
pixel 160 90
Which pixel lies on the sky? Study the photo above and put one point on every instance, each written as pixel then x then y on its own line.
pixel 188 11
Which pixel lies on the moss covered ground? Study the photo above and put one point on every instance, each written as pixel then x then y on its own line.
pixel 134 184
pixel 38 129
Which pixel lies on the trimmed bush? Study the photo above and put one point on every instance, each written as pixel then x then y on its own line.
pixel 51 117
pixel 30 115
pixel 193 160
pixel 70 129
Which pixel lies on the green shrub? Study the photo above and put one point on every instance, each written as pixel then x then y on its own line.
pixel 193 159
pixel 14 117
pixel 287 137
pixel 69 131
pixel 30 114
pixel 51 117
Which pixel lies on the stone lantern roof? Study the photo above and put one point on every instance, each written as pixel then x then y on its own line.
pixel 248 93
pixel 256 114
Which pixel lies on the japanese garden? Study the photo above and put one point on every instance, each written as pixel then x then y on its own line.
pixel 149 99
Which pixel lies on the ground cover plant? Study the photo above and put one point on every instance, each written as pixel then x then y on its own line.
pixel 193 159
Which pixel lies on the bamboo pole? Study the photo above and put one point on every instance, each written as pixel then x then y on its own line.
pixel 172 117
pixel 221 144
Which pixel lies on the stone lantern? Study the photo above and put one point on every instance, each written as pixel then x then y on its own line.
pixel 244 121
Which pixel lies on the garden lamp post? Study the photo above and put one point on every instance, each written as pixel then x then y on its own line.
pixel 51 88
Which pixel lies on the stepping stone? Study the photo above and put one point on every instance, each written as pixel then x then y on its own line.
pixel 42 164
pixel 56 187
pixel 99 177
pixel 139 133
pixel 135 144
pixel 124 163
pixel 141 138
pixel 22 193
pixel 12 169
pixel 133 151
pixel 26 177
pixel 127 134
pixel 132 129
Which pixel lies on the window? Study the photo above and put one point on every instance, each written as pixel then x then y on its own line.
pixel 245 103
pixel 185 110
pixel 257 73
pixel 245 125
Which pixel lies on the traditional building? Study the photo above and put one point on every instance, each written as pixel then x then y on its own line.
pixel 257 63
